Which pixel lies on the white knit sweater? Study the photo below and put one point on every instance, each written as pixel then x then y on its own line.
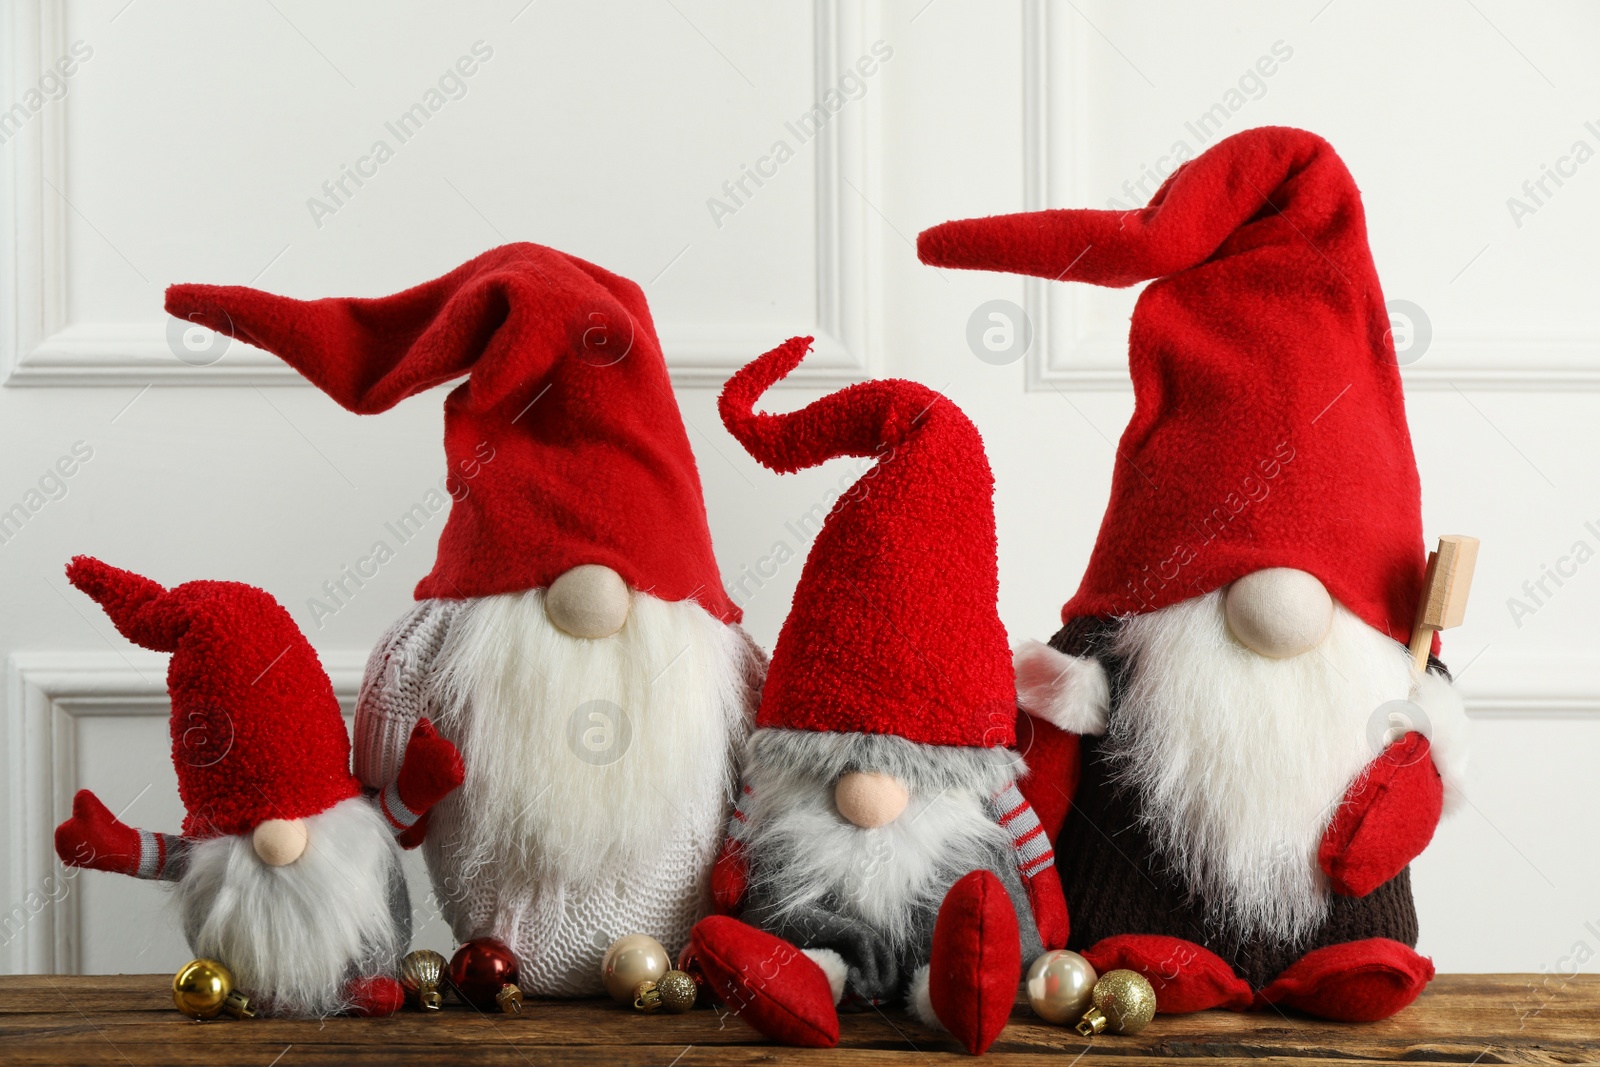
pixel 558 930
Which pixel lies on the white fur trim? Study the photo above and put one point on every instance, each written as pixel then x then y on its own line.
pixel 919 1001
pixel 1070 692
pixel 834 966
pixel 1446 727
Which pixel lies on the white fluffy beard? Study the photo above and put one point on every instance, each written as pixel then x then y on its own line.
pixel 293 936
pixel 1241 760
pixel 804 854
pixel 553 788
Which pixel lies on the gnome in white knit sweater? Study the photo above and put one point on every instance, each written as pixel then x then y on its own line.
pixel 574 639
pixel 881 852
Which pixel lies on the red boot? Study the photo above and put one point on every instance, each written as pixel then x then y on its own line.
pixel 376 996
pixel 766 981
pixel 1358 981
pixel 1185 976
pixel 976 961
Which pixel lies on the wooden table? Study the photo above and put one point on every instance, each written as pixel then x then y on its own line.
pixel 129 1019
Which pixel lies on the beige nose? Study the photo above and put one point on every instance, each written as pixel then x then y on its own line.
pixel 588 601
pixel 279 842
pixel 1279 612
pixel 870 798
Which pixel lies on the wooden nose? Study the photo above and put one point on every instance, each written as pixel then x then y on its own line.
pixel 1279 612
pixel 279 842
pixel 588 601
pixel 870 799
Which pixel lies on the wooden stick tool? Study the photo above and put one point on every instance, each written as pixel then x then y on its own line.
pixel 1444 592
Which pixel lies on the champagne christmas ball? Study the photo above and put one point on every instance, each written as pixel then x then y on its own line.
pixel 1124 1003
pixel 1060 985
pixel 480 970
pixel 421 972
pixel 630 960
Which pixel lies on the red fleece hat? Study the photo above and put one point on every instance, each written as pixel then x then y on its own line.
pixel 565 443
pixel 893 629
pixel 256 731
pixel 1269 429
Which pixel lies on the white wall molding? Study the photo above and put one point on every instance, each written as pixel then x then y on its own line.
pixel 39 346
pixel 1068 354
pixel 48 695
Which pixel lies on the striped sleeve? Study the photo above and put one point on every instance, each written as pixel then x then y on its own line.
pixel 1032 845
pixel 162 857
pixel 399 817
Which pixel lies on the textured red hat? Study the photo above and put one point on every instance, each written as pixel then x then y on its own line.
pixel 1269 429
pixel 565 443
pixel 256 731
pixel 893 629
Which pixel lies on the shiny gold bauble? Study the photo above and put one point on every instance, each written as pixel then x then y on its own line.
pixel 1124 1003
pixel 204 989
pixel 1060 985
pixel 629 961
pixel 421 972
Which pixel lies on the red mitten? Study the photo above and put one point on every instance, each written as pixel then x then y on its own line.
pixel 1049 907
pixel 1356 982
pixel 376 996
pixel 430 770
pixel 1186 976
pixel 766 981
pixel 976 961
pixel 1386 820
pixel 730 877
pixel 94 838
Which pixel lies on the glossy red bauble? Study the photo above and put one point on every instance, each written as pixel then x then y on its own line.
pixel 480 969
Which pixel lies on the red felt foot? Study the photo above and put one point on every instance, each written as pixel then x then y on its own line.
pixel 766 981
pixel 1358 981
pixel 376 996
pixel 976 961
pixel 1185 976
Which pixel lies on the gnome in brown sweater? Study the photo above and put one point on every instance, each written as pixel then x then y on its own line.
pixel 1261 757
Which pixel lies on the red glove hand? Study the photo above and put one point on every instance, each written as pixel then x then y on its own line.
pixel 94 838
pixel 1386 820
pixel 730 877
pixel 430 770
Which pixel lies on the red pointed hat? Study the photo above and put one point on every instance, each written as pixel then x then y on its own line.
pixel 894 628
pixel 1269 429
pixel 257 733
pixel 565 444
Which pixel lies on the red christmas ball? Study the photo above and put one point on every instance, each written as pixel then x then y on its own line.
pixel 480 969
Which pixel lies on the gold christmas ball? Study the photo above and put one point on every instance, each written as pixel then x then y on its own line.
pixel 630 960
pixel 421 972
pixel 1060 985
pixel 1124 1003
pixel 678 992
pixel 201 988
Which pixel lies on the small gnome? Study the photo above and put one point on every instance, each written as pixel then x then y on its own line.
pixel 573 639
pixel 1260 757
pixel 286 871
pixel 881 851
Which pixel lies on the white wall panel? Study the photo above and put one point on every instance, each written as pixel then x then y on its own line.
pixel 187 145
